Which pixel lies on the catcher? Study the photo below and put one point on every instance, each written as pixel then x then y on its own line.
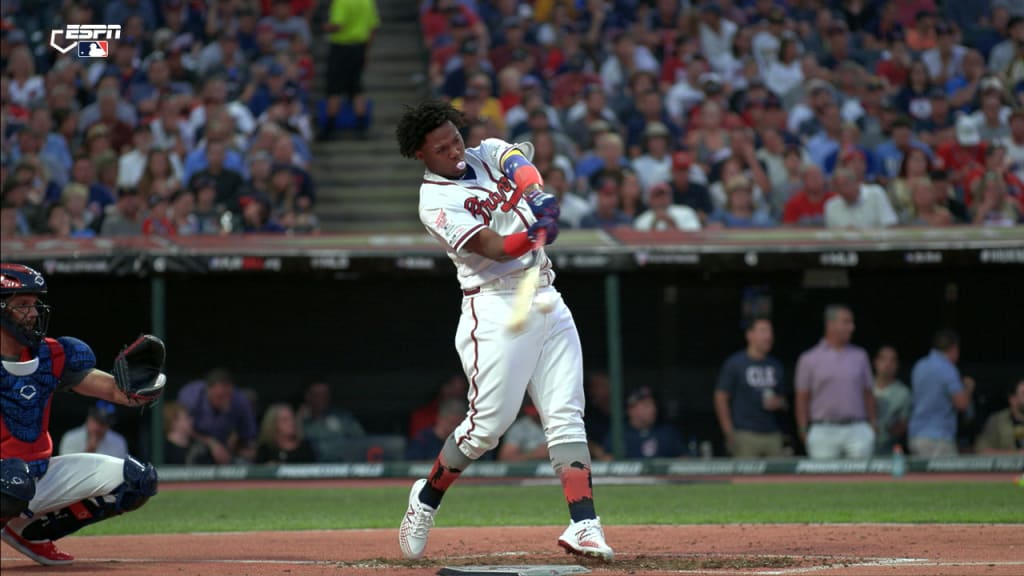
pixel 43 498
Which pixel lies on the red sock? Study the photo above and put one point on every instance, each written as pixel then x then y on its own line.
pixel 441 477
pixel 578 488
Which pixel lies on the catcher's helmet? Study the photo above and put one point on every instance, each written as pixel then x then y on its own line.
pixel 19 279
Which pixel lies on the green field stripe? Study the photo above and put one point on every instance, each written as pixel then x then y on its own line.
pixel 470 505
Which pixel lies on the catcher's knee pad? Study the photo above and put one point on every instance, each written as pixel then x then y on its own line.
pixel 140 483
pixel 17 488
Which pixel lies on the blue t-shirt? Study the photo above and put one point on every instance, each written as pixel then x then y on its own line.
pixel 934 381
pixel 659 441
pixel 746 381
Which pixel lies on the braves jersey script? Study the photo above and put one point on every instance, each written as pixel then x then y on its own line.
pixel 454 211
pixel 26 390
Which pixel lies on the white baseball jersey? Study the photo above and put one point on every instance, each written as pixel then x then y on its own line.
pixel 454 211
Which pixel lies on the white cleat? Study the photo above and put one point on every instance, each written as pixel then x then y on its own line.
pixel 416 525
pixel 586 538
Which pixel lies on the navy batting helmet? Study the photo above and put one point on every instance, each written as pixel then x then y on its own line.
pixel 18 279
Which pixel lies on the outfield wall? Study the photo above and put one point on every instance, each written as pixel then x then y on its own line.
pixel 656 467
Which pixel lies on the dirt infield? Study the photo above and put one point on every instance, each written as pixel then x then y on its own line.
pixel 818 550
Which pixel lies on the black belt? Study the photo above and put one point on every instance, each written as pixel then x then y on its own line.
pixel 471 291
pixel 839 422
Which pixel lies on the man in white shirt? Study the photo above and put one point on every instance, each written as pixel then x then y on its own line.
pixel 663 215
pixel 96 435
pixel 855 206
pixel 716 34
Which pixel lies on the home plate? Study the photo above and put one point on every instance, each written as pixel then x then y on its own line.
pixel 511 570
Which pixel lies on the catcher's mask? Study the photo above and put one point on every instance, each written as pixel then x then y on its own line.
pixel 18 279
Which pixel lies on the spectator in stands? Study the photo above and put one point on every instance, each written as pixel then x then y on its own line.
pixel 125 217
pixel 631 194
pixel 426 443
pixel 892 401
pixel 426 415
pixel 926 209
pixel 479 97
pixel 626 58
pixel 750 396
pixel 459 69
pixel 258 215
pixel 685 190
pixel 807 207
pixel 592 108
pixel 181 448
pixel 607 158
pixel 649 113
pixel 286 25
pixel 939 392
pixel 525 438
pixel 664 215
pixel 835 403
pixel 327 428
pixel 889 154
pixel 96 435
pixel 644 436
pixel 915 165
pixel 350 27
pixel 654 166
pixel 573 208
pixel 228 182
pixel 991 204
pixel 598 417
pixel 739 210
pixel 1004 430
pixel 855 206
pixel 281 440
pixel 222 417
pixel 607 213
pixel 75 198
pixel 182 219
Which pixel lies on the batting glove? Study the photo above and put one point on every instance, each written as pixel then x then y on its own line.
pixel 547 224
pixel 542 204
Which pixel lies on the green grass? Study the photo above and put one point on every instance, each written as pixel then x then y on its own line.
pixel 467 505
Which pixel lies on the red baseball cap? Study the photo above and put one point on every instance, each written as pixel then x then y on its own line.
pixel 681 161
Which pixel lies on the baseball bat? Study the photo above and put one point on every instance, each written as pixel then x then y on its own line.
pixel 526 290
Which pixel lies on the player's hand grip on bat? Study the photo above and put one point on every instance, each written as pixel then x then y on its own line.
pixel 542 204
pixel 550 227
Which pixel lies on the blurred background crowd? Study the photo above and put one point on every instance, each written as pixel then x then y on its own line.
pixel 748 113
pixel 196 122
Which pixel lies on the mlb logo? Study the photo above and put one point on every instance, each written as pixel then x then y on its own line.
pixel 92 49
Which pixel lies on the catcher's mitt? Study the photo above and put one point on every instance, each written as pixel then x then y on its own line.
pixel 138 369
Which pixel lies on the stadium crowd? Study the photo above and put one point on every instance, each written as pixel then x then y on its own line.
pixel 678 114
pixel 196 121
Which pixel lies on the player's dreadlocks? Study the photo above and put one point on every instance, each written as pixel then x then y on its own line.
pixel 417 122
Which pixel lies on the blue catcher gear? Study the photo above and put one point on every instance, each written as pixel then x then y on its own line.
pixel 140 484
pixel 18 279
pixel 17 488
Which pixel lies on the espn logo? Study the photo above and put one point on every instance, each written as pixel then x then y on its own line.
pixel 95 49
pixel 88 39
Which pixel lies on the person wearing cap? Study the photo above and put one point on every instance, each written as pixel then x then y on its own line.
pixel 258 215
pixel 479 97
pixel 686 190
pixel 663 215
pixel 807 207
pixel 607 213
pixel 921 36
pixel 513 30
pixel 739 210
pixel 655 164
pixel 96 435
pixel 645 437
pixel 350 27
pixel 468 61
pixel 627 58
pixel 750 396
pixel 889 154
pixel 965 154
pixel 591 110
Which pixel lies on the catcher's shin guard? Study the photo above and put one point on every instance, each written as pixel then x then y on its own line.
pixel 17 488
pixel 140 483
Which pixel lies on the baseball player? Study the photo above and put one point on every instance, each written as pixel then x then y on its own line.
pixel 44 498
pixel 486 206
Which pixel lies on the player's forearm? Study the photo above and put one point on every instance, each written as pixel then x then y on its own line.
pixel 491 245
pixel 520 170
pixel 722 411
pixel 100 384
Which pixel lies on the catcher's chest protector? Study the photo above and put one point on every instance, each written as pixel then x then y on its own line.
pixel 25 405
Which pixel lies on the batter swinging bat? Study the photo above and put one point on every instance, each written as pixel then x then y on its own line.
pixel 526 291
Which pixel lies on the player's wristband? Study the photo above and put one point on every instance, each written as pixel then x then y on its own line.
pixel 517 244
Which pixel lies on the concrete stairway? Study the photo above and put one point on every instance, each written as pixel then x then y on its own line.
pixel 365 186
